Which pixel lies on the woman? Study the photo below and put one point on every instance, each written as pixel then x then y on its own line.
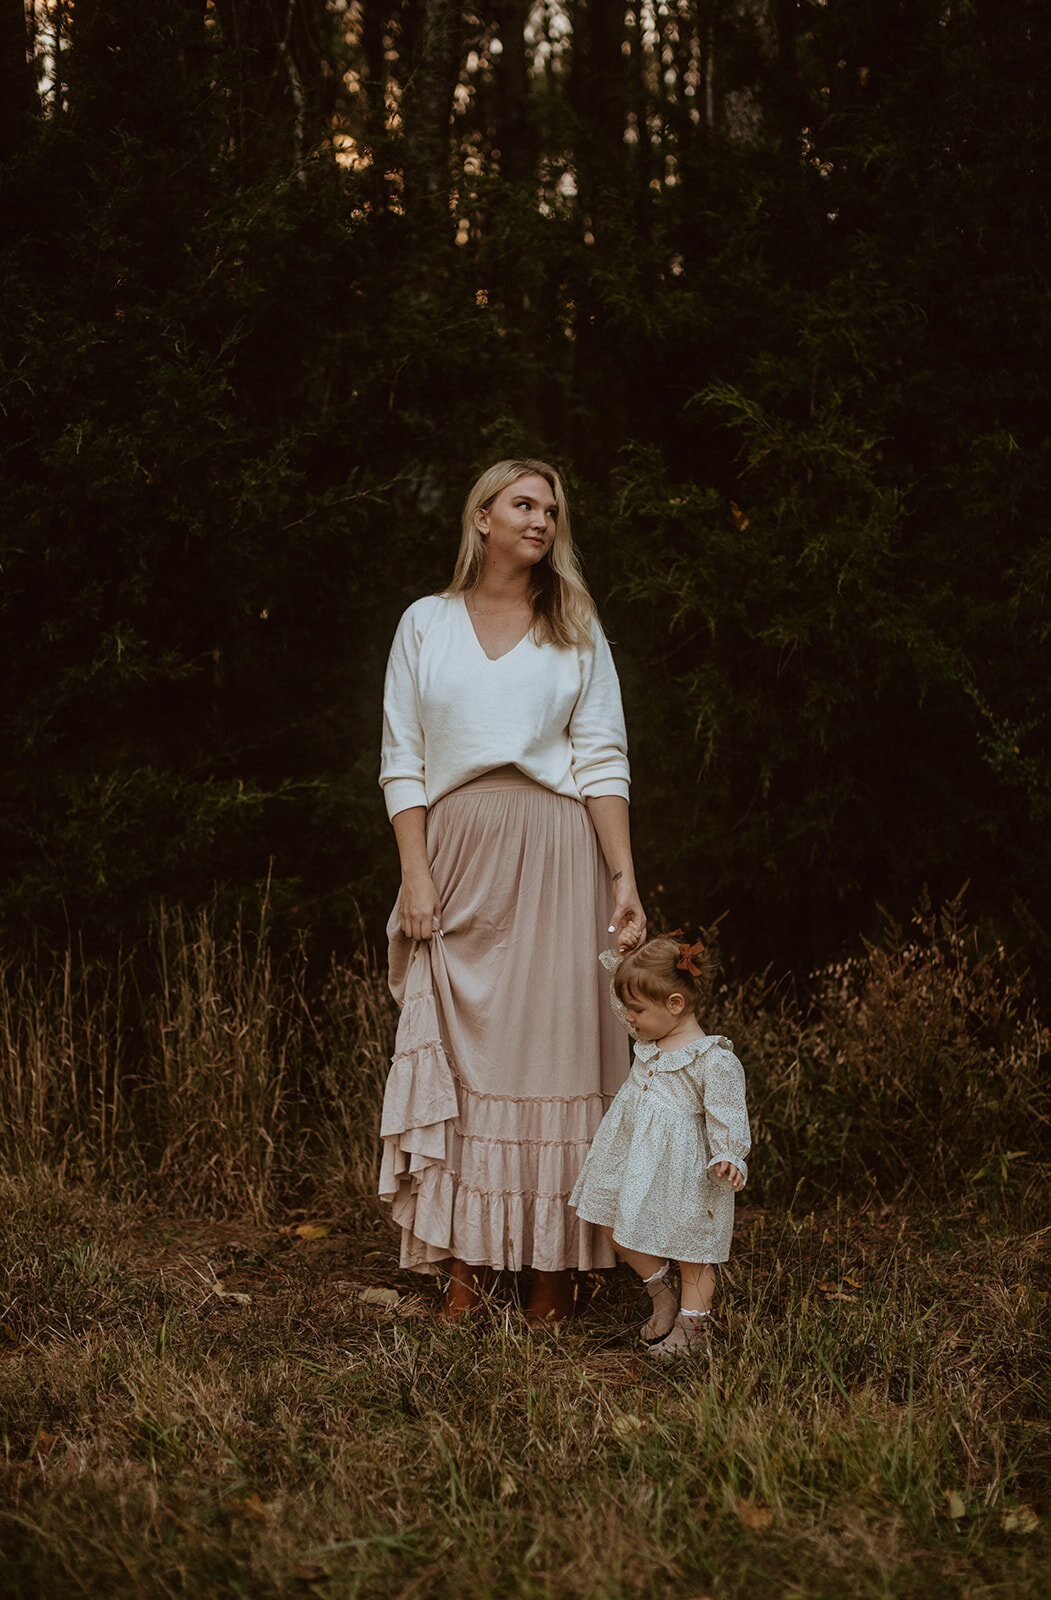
pixel 506 779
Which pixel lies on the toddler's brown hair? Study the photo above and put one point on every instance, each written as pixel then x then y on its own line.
pixel 662 967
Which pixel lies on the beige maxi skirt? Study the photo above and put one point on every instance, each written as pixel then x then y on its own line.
pixel 507 1052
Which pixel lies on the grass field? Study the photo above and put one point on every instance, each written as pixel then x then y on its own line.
pixel 205 1408
pixel 215 1381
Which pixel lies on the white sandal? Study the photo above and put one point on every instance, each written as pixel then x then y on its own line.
pixel 689 1332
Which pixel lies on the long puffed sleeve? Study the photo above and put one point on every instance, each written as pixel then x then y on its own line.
pixel 596 728
pixel 403 752
pixel 722 1086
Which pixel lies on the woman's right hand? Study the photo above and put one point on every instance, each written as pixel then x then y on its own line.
pixel 421 910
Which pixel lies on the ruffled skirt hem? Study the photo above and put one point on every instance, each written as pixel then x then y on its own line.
pixel 459 1185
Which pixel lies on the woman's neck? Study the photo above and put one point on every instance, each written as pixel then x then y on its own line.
pixel 501 591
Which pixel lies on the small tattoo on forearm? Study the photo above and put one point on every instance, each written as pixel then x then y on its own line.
pixel 615 876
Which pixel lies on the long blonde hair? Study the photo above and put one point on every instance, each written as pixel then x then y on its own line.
pixel 563 610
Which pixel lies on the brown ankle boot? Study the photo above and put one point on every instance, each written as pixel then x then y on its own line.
pixel 466 1291
pixel 552 1298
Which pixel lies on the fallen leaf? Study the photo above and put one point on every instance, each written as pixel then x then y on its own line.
pixel 312 1230
pixel 378 1297
pixel 308 1571
pixel 1020 1519
pixel 625 1425
pixel 10 1342
pixel 956 1507
pixel 508 1487
pixel 251 1506
pixel 754 1515
pixel 232 1295
pixel 43 1444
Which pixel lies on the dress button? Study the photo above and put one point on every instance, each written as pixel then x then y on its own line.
pixel 645 1087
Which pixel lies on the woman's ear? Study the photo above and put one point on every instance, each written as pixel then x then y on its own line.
pixel 481 521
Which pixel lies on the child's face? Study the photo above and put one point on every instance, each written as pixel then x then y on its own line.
pixel 652 1019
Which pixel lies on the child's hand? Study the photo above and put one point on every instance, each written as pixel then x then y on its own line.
pixel 631 935
pixel 727 1170
pixel 629 920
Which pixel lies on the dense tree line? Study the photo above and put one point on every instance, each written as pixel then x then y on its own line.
pixel 767 278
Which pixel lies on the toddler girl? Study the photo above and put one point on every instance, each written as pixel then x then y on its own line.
pixel 669 1155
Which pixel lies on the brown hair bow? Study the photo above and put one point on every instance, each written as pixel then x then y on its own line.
pixel 688 953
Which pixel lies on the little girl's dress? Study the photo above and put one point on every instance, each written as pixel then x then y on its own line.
pixel 648 1172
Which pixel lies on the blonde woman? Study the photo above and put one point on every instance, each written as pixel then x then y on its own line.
pixel 505 775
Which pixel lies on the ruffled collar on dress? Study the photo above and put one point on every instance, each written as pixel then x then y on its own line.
pixel 675 1060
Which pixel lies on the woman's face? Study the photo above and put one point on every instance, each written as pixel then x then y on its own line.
pixel 519 526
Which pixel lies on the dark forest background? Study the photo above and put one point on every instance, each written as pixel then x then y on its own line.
pixel 768 280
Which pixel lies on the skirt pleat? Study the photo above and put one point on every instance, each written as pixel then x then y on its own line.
pixel 507 1053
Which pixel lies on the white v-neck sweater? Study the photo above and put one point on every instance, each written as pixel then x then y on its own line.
pixel 450 713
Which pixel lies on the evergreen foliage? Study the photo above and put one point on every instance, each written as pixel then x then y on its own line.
pixel 769 282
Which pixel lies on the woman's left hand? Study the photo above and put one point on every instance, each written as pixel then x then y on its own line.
pixel 628 923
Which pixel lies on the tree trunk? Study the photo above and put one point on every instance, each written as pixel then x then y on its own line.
pixel 18 99
pixel 515 134
pixel 375 18
pixel 432 35
pixel 130 65
pixel 749 47
pixel 600 93
pixel 274 53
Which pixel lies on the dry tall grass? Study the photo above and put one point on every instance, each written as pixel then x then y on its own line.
pixel 202 1068
pixel 63 1047
pixel 206 1069
pixel 918 1067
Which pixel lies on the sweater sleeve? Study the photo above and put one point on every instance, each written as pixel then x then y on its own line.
pixel 725 1111
pixel 402 755
pixel 596 728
